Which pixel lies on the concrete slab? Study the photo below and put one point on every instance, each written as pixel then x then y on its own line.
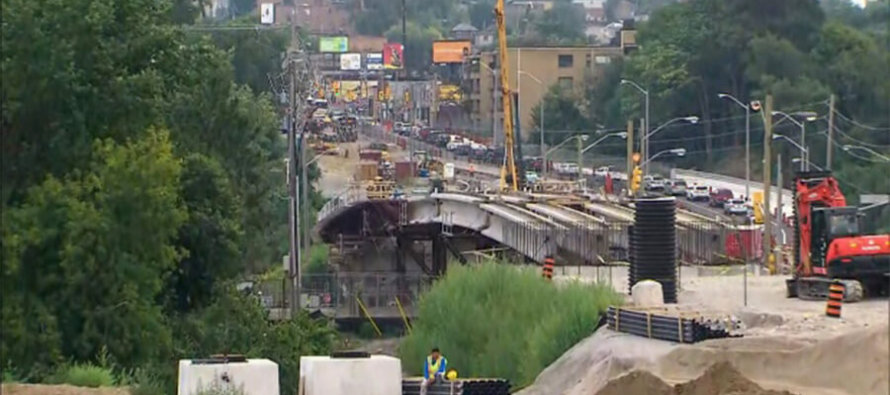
pixel 377 375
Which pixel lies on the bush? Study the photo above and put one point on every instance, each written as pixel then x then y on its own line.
pixel 502 321
pixel 84 375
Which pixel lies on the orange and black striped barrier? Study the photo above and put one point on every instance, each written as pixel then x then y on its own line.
pixel 835 299
pixel 548 268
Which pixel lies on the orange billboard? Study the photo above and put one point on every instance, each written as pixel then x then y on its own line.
pixel 450 51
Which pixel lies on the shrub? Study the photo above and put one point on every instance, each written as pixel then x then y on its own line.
pixel 84 375
pixel 502 321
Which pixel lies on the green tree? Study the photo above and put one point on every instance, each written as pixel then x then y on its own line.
pixel 562 24
pixel 90 252
pixel 211 236
pixel 561 114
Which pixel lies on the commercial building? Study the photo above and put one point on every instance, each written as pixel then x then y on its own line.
pixel 532 71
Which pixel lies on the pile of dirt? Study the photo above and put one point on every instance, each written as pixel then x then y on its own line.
pixel 64 389
pixel 723 379
pixel 719 379
pixel 637 382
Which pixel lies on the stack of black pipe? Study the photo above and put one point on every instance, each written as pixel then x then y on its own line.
pixel 654 245
pixel 459 387
pixel 666 327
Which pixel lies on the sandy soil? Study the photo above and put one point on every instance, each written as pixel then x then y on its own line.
pixel 42 389
pixel 789 344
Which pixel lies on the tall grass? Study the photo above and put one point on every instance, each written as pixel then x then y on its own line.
pixel 83 375
pixel 501 321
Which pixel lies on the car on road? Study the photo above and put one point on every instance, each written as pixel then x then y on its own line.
pixel 697 193
pixel 675 187
pixel 602 171
pixel 735 207
pixel 719 196
pixel 654 183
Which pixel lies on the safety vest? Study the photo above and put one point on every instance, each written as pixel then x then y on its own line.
pixel 433 367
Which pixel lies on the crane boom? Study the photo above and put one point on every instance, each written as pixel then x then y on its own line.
pixel 510 162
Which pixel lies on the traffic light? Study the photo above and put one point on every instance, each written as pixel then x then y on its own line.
pixel 635 179
pixel 335 87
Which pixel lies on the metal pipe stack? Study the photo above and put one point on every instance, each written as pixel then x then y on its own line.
pixel 670 328
pixel 458 387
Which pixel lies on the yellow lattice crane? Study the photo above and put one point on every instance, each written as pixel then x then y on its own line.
pixel 509 162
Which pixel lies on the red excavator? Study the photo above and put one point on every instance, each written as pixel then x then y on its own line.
pixel 829 244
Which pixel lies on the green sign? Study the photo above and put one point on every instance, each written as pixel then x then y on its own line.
pixel 333 44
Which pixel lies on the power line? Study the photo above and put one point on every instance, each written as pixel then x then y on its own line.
pixel 859 124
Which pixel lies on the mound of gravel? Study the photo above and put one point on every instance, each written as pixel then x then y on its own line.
pixel 723 379
pixel 720 379
pixel 637 382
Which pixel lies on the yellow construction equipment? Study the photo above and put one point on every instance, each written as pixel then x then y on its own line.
pixel 509 168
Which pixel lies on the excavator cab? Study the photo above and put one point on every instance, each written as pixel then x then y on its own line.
pixel 829 224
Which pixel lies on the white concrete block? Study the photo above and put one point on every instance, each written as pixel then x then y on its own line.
pixel 254 377
pixel 647 293
pixel 377 375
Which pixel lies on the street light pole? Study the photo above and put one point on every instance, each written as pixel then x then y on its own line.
pixel 541 120
pixel 644 141
pixel 808 116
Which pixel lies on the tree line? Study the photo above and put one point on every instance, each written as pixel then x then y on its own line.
pixel 142 174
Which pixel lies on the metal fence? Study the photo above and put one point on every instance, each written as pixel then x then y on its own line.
pixel 344 295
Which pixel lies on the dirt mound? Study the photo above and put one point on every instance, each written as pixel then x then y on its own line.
pixel 44 389
pixel 723 379
pixel 637 382
pixel 719 379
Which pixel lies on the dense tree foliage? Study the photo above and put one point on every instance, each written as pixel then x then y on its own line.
pixel 142 174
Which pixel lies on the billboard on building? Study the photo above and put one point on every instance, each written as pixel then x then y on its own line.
pixel 374 61
pixel 267 13
pixel 451 51
pixel 393 56
pixel 351 61
pixel 333 44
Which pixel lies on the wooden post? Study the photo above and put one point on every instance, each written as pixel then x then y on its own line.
pixel 767 177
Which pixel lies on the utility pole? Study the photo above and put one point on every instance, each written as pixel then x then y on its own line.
pixel 767 177
pixel 304 195
pixel 643 132
pixel 630 151
pixel 829 148
pixel 779 221
pixel 292 166
pixel 404 38
pixel 580 157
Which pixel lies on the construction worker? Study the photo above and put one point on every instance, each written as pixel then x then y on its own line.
pixel 433 368
pixel 472 171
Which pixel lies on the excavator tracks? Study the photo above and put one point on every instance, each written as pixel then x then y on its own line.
pixel 816 288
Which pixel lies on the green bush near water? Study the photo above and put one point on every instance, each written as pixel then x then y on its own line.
pixel 501 321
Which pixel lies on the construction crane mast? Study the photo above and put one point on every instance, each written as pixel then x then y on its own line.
pixel 509 161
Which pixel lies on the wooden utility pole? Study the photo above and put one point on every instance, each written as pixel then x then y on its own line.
pixel 779 218
pixel 292 184
pixel 767 177
pixel 829 149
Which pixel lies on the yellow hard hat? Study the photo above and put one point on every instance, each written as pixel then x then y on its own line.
pixel 451 374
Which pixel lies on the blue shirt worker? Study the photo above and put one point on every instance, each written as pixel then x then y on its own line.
pixel 433 368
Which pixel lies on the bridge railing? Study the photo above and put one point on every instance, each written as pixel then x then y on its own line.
pixel 342 295
pixel 352 194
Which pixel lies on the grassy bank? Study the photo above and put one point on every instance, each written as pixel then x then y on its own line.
pixel 500 321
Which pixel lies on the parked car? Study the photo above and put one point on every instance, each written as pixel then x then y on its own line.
pixel 675 187
pixel 719 196
pixel 698 192
pixel 735 207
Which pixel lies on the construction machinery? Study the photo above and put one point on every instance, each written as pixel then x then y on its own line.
pixel 830 246
pixel 426 164
pixel 508 171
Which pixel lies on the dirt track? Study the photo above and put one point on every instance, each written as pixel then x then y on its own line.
pixel 43 389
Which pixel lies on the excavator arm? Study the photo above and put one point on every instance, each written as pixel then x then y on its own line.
pixel 813 190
